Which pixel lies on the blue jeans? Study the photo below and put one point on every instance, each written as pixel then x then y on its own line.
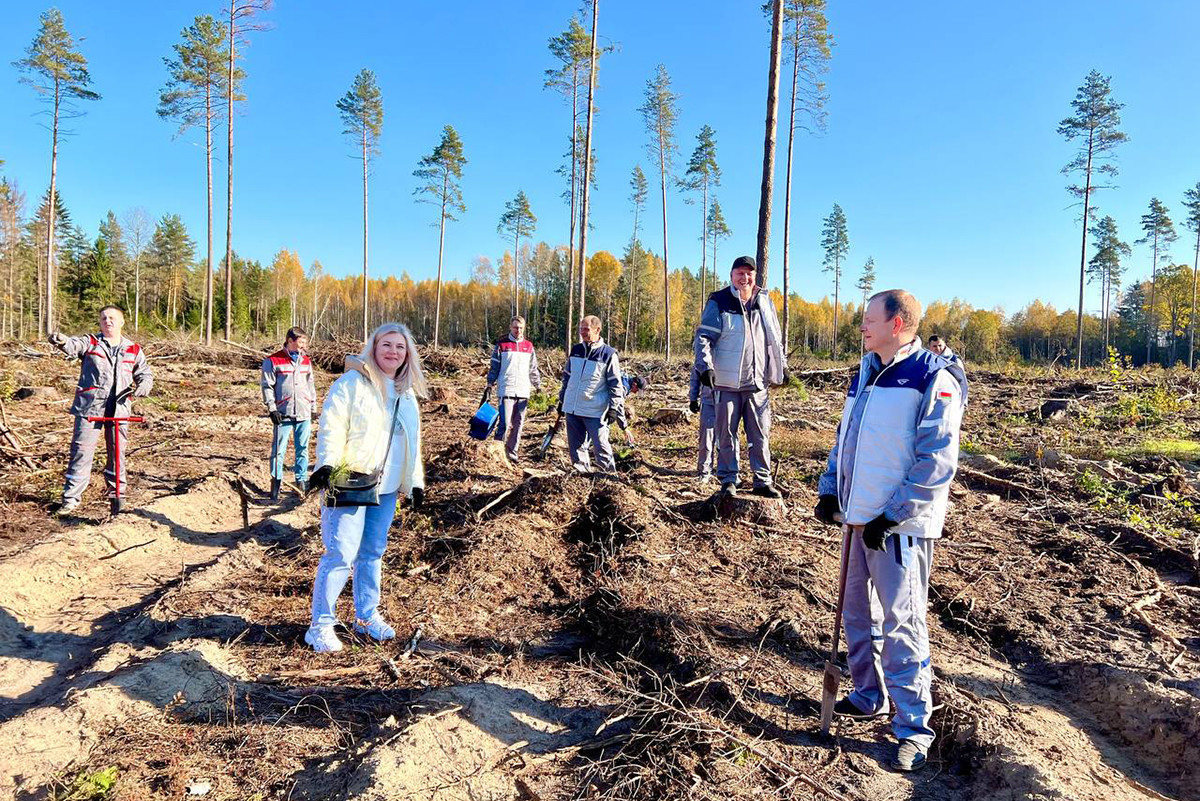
pixel 353 536
pixel 298 431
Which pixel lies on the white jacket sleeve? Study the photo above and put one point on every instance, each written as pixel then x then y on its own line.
pixel 335 423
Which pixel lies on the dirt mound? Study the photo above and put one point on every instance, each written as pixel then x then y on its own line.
pixel 469 458
pixel 465 743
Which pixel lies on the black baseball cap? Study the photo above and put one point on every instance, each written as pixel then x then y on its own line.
pixel 743 261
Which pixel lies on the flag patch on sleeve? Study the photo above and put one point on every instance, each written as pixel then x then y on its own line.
pixel 944 394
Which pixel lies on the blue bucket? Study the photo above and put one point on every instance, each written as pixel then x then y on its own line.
pixel 484 421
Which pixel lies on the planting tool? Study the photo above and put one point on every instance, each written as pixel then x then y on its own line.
pixel 833 675
pixel 546 440
pixel 116 445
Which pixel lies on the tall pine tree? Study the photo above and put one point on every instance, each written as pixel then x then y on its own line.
pixel 1191 202
pixel 1105 266
pixel 517 221
pixel 361 110
pixel 703 174
pixel 835 241
pixel 659 113
pixel 441 171
pixel 1159 233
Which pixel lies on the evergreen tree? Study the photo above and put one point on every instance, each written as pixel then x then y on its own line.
pixel 1191 202
pixel 195 85
pixel 137 229
pixel 808 46
pixel 171 253
pixel 587 159
pixel 718 229
pixel 1095 122
pixel 442 171
pixel 638 190
pixel 659 113
pixel 1105 266
pixel 362 113
pixel 702 174
pixel 58 72
pixel 1159 233
pixel 865 282
pixel 517 221
pixel 835 241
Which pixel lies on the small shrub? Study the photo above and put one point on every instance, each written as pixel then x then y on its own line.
pixel 96 786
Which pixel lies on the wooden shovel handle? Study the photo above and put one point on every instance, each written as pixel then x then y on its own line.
pixel 841 600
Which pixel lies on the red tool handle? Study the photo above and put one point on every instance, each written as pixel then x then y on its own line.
pixel 116 419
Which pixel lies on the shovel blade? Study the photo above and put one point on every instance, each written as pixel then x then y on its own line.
pixel 829 690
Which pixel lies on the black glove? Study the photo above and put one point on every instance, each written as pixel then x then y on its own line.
pixel 694 405
pixel 418 497
pixel 487 393
pixel 558 408
pixel 875 533
pixel 826 509
pixel 124 395
pixel 320 478
pixel 276 417
pixel 708 378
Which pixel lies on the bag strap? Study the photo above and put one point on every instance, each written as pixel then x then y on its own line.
pixel 391 436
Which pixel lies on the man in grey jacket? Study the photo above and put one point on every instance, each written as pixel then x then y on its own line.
pixel 112 370
pixel 591 392
pixel 514 373
pixel 889 478
pixel 289 391
pixel 739 354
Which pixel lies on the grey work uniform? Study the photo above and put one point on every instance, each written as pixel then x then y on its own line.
pixel 708 424
pixel 740 342
pixel 105 372
pixel 591 390
pixel 514 371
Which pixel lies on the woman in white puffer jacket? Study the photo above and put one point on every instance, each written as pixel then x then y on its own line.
pixel 383 380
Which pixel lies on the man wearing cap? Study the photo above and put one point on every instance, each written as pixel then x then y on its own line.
pixel 591 390
pixel 739 353
pixel 514 371
pixel 112 371
pixel 889 477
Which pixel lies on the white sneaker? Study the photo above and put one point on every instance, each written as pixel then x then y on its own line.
pixel 323 639
pixel 375 628
pixel 68 506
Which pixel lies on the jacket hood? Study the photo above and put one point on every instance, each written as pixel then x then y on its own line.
pixel 358 365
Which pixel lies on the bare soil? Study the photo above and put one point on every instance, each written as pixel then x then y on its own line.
pixel 565 637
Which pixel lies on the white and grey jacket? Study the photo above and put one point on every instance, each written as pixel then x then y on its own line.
pixel 591 383
pixel 740 342
pixel 514 368
pixel 105 373
pixel 288 386
pixel 897 446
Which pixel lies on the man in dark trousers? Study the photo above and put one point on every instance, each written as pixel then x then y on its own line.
pixel 739 354
pixel 112 371
pixel 591 391
pixel 514 373
pixel 289 392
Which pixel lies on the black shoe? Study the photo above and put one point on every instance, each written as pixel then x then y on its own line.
pixel 275 484
pixel 767 491
pixel 116 506
pixel 845 708
pixel 729 488
pixel 909 757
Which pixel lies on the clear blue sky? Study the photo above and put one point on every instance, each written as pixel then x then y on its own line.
pixel 941 144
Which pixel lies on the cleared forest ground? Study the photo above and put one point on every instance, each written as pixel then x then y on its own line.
pixel 596 638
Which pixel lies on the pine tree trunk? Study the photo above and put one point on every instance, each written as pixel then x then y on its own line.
pixel 229 90
pixel 1151 318
pixel 1087 199
pixel 1192 316
pixel 437 313
pixel 366 327
pixel 48 327
pixel 662 171
pixel 768 173
pixel 787 194
pixel 587 166
pixel 704 248
pixel 208 269
pixel 837 280
pixel 517 271
pixel 574 190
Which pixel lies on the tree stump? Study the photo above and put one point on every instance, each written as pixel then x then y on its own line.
pixel 669 416
pixel 749 508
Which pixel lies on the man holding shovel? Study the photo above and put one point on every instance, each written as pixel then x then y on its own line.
pixel 289 391
pixel 112 370
pixel 888 480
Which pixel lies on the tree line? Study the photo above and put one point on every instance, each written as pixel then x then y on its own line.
pixel 53 270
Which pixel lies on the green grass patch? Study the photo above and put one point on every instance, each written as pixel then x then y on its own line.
pixel 541 402
pixel 90 786
pixel 1186 450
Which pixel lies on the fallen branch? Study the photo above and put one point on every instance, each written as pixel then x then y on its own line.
pixel 494 502
pixel 995 481
pixel 240 346
pixel 127 548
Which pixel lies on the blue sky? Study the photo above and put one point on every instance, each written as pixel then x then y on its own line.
pixel 941 144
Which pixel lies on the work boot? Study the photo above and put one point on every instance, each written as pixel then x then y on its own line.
pixel 846 708
pixel 275 484
pixel 729 488
pixel 116 506
pixel 69 505
pixel 909 757
pixel 767 491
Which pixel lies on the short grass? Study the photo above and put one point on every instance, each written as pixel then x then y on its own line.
pixel 1186 450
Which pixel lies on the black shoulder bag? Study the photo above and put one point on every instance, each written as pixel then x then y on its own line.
pixel 362 489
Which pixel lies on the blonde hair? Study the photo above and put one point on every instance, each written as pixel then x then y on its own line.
pixel 409 376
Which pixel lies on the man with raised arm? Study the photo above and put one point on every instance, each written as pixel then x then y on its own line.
pixel 888 479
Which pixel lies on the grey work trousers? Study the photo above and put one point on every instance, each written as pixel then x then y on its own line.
pixel 708 434
pixel 583 432
pixel 887 642
pixel 512 421
pixel 83 449
pixel 752 409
